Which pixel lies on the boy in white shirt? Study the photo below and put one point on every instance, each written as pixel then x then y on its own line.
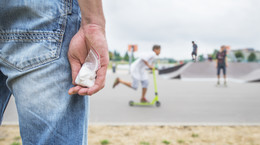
pixel 138 72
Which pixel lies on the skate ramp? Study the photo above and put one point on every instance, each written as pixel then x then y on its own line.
pixel 174 72
pixel 253 76
pixel 243 72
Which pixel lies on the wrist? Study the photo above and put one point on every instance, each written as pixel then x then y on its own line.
pixel 97 20
pixel 92 28
pixel 92 12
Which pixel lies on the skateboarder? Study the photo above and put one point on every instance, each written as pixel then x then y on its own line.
pixel 194 51
pixel 221 63
pixel 138 72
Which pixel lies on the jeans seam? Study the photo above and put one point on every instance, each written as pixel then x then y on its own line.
pixel 30 36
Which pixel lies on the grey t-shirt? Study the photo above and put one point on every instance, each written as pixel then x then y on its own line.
pixel 194 47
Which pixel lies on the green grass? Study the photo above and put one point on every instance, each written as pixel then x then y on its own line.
pixel 144 143
pixel 180 141
pixel 104 142
pixel 194 135
pixel 17 138
pixel 16 143
pixel 166 142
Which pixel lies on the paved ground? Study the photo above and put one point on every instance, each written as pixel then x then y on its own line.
pixel 183 102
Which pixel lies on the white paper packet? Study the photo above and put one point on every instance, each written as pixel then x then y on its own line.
pixel 87 73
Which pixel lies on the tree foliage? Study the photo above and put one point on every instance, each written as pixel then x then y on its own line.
pixel 251 57
pixel 126 57
pixel 111 55
pixel 117 56
pixel 214 55
pixel 239 55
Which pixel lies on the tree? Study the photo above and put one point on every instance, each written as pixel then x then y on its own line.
pixel 117 56
pixel 239 55
pixel 133 58
pixel 251 57
pixel 171 60
pixel 126 57
pixel 111 55
pixel 214 55
pixel 201 57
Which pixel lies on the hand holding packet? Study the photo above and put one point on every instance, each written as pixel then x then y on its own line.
pixel 87 73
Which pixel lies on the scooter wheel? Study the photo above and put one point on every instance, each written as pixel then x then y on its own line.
pixel 158 104
pixel 131 103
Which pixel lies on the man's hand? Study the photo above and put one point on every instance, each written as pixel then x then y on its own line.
pixel 88 37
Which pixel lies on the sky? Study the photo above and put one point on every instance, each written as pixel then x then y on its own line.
pixel 173 24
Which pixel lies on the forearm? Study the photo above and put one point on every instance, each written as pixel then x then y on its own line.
pixel 92 12
pixel 147 64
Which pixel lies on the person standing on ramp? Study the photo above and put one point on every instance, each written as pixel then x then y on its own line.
pixel 194 51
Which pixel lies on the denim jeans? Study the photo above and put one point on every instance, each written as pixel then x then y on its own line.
pixel 34 41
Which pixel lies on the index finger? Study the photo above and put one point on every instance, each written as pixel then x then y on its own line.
pixel 100 81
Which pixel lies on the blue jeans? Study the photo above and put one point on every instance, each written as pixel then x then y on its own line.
pixel 34 41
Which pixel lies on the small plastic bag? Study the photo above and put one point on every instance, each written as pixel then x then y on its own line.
pixel 87 73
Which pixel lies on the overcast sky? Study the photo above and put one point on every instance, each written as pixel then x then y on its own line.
pixel 175 23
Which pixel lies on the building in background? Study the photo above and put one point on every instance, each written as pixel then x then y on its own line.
pixel 245 55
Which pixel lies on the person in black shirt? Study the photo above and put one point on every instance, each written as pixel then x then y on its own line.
pixel 194 51
pixel 221 63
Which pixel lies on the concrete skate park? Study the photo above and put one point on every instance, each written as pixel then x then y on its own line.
pixel 188 96
pixel 240 72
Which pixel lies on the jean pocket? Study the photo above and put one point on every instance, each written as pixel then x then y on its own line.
pixel 32 33
pixel 25 50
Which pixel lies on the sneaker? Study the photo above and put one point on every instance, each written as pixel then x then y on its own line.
pixel 116 82
pixel 143 100
pixel 218 83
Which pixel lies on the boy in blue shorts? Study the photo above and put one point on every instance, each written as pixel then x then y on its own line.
pixel 221 63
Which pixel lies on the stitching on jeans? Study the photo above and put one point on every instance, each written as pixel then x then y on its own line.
pixel 10 32
pixel 29 39
pixel 58 42
pixel 31 36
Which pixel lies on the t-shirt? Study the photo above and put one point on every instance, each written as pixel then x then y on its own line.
pixel 221 58
pixel 194 47
pixel 138 67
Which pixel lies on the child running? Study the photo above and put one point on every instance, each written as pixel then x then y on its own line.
pixel 138 72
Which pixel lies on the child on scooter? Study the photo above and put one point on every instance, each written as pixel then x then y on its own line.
pixel 138 72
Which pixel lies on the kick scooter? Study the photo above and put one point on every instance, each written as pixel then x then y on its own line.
pixel 155 101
